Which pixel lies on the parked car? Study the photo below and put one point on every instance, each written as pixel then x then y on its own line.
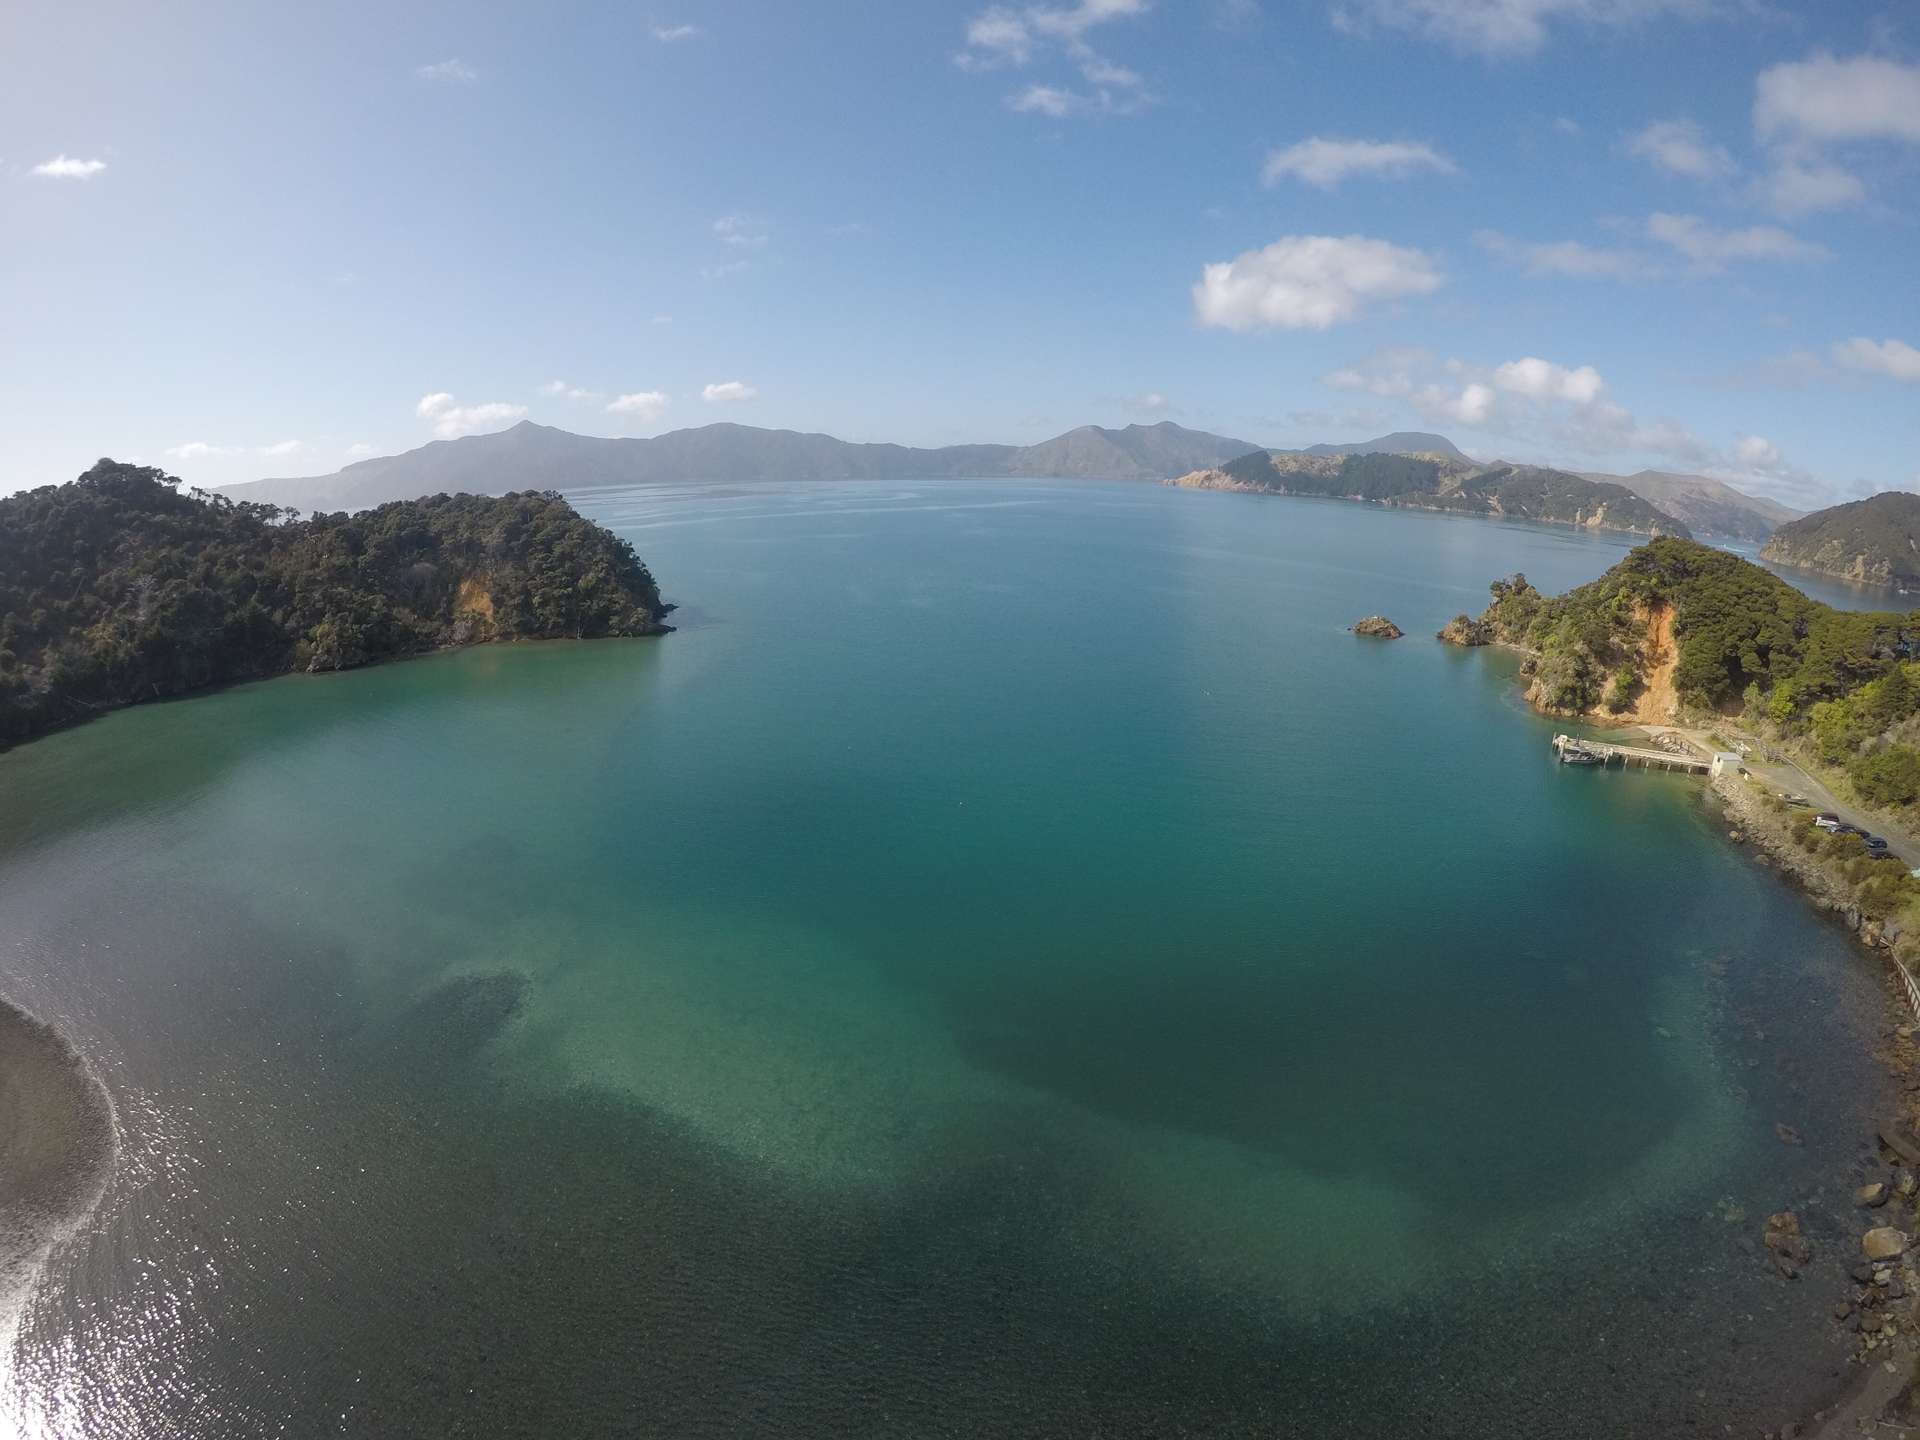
pixel 1845 829
pixel 1826 820
pixel 1874 842
pixel 1799 802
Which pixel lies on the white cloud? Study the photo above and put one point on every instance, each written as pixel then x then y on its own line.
pixel 65 167
pixel 1004 36
pixel 1325 161
pixel 1557 412
pixel 1573 258
pixel 724 269
pixel 1151 402
pixel 1710 248
pixel 643 405
pixel 1826 98
pixel 1544 380
pixel 200 450
pixel 729 392
pixel 1048 100
pixel 1681 147
pixel 668 34
pixel 998 36
pixel 1566 125
pixel 359 448
pixel 1501 27
pixel 449 72
pixel 661 320
pixel 561 390
pixel 1895 359
pixel 450 420
pixel 1801 183
pixel 1309 282
pixel 742 232
pixel 280 448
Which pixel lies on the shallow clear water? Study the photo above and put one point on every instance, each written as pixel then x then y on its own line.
pixel 1010 963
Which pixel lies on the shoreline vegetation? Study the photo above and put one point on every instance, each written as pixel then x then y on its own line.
pixel 1446 483
pixel 1682 635
pixel 117 588
pixel 57 1148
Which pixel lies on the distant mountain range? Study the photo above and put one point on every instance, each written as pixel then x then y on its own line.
pixel 1875 541
pixel 1710 506
pixel 540 457
pixel 1431 480
pixel 1401 442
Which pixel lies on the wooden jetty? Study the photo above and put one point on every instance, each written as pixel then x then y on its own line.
pixel 1573 750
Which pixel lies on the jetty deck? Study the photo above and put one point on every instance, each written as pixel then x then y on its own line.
pixel 1633 754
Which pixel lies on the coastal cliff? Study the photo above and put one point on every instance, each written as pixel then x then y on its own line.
pixel 118 588
pixel 1434 481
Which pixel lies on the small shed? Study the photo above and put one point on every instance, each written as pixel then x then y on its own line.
pixel 1726 762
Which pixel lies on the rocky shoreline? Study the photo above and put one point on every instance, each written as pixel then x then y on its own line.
pixel 1881 1309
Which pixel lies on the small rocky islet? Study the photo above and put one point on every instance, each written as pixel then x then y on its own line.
pixel 1377 626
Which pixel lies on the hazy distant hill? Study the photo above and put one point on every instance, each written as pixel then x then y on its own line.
pixel 1429 482
pixel 539 457
pixel 1876 540
pixel 1710 506
pixel 1401 442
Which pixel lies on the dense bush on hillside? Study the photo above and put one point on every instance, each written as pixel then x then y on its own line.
pixel 117 587
pixel 1744 636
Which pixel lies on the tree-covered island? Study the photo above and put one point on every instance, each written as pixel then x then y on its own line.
pixel 118 587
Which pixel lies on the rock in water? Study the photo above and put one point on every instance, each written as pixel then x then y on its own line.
pixel 1883 1243
pixel 1377 625
pixel 1465 630
pixel 1872 1196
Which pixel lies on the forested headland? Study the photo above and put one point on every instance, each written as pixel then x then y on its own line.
pixel 119 587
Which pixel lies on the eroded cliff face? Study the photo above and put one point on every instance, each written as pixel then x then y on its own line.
pixel 1650 698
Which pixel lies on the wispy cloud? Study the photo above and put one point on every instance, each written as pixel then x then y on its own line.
pixel 65 167
pixel 671 34
pixel 1711 248
pixel 358 449
pixel 1309 282
pixel 452 420
pixel 448 72
pixel 1006 36
pixel 1573 258
pixel 1682 147
pixel 729 392
pixel 561 390
pixel 743 232
pixel 1501 29
pixel 1804 109
pixel 280 448
pixel 1326 161
pixel 1894 359
pixel 642 405
pixel 200 450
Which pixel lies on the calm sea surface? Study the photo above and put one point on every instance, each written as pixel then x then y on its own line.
pixel 1010 964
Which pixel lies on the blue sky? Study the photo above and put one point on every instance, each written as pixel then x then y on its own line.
pixel 245 240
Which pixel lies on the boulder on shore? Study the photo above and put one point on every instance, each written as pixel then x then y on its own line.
pixel 1377 625
pixel 1465 630
pixel 1871 1196
pixel 1883 1243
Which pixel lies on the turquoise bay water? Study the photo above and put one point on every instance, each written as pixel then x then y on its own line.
pixel 1011 963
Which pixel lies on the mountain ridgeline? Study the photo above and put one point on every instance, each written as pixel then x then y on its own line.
pixel 1875 541
pixel 1440 482
pixel 530 456
pixel 1707 506
pixel 117 588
